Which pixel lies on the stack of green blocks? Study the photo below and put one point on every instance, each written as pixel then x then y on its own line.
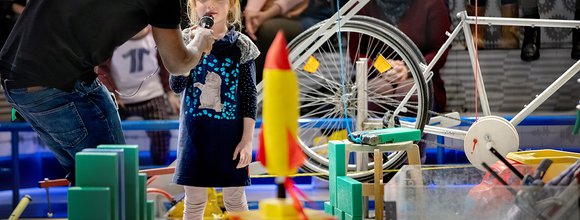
pixel 346 202
pixel 109 185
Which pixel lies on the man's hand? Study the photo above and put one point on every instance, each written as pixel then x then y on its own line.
pixel 202 39
pixel 177 58
pixel 244 150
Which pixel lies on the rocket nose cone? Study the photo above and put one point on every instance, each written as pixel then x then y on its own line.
pixel 277 57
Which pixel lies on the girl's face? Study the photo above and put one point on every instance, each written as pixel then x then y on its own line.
pixel 218 9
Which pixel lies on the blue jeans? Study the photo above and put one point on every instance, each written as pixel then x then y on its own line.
pixel 69 122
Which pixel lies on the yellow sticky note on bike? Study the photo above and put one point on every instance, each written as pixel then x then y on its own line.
pixel 311 65
pixel 382 64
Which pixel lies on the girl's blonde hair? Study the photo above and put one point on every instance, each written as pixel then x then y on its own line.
pixel 234 14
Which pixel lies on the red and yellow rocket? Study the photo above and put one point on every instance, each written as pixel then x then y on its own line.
pixel 279 151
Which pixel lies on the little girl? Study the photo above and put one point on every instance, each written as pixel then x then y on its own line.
pixel 218 99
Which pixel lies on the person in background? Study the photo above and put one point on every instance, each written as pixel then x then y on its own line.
pixel 510 35
pixel 263 19
pixel 531 43
pixel 128 76
pixel 216 123
pixel 425 23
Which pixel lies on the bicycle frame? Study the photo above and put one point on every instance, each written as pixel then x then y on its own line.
pixel 530 107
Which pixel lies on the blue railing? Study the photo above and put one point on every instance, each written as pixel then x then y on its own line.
pixel 15 128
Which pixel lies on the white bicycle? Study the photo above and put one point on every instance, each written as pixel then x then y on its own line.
pixel 324 95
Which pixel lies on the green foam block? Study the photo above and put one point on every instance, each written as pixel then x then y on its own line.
pixel 131 160
pixel 395 135
pixel 328 208
pixel 150 210
pixel 339 214
pixel 336 167
pixel 89 203
pixel 143 196
pixel 100 169
pixel 350 217
pixel 121 156
pixel 349 195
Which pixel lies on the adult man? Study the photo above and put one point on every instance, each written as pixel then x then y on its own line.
pixel 47 65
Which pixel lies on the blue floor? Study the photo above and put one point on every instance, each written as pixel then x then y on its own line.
pixel 38 207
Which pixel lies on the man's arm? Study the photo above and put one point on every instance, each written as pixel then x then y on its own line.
pixel 178 58
pixel 163 74
pixel 164 77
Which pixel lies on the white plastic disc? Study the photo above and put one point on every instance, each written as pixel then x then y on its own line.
pixel 490 130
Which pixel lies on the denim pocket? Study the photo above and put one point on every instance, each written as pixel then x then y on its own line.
pixel 64 124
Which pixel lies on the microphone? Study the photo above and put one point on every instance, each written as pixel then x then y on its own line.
pixel 206 21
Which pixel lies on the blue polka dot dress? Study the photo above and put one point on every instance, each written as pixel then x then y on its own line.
pixel 215 97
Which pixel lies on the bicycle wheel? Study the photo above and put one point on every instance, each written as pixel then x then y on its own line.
pixel 321 103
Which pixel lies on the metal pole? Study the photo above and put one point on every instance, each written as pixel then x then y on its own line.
pixel 361 96
pixel 552 88
pixel 362 159
pixel 476 68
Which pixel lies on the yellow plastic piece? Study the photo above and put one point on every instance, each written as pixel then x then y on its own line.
pixel 381 64
pixel 311 65
pixel 560 160
pixel 335 136
pixel 277 209
pixel 20 208
pixel 212 209
pixel 220 200
pixel 536 156
pixel 176 212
